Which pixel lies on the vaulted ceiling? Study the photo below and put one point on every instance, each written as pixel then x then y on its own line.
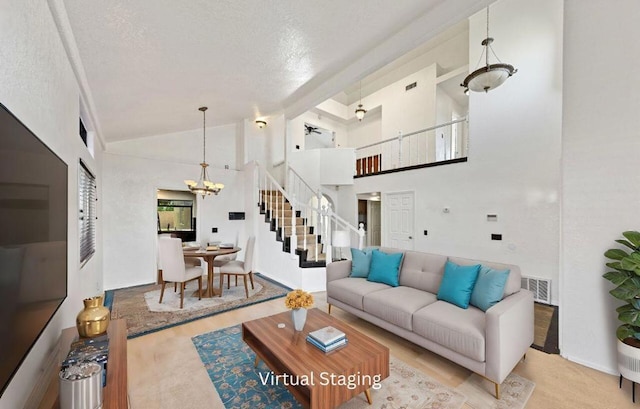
pixel 149 64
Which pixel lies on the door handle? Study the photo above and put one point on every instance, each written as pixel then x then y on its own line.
pixel 410 238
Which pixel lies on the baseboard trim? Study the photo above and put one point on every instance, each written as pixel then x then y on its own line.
pixel 589 364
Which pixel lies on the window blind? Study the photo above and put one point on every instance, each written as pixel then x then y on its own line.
pixel 87 210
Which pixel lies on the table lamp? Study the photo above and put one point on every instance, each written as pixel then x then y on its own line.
pixel 340 239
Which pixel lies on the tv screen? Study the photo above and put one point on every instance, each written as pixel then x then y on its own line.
pixel 33 241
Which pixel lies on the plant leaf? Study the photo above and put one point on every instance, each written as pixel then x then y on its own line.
pixel 616 266
pixel 618 277
pixel 633 237
pixel 629 315
pixel 628 290
pixel 625 331
pixel 626 243
pixel 631 262
pixel 615 254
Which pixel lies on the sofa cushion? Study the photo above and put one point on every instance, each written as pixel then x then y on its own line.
pixel 489 287
pixel 422 270
pixel 360 262
pixel 351 290
pixel 385 268
pixel 397 304
pixel 513 281
pixel 457 284
pixel 460 330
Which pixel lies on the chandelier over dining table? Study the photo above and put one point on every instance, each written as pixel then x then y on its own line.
pixel 204 186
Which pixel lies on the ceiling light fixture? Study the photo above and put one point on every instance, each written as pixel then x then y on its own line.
pixel 261 123
pixel 204 186
pixel 491 75
pixel 360 111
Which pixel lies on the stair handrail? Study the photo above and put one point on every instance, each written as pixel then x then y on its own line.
pixel 322 214
pixel 274 183
pixel 340 223
pixel 294 181
pixel 314 192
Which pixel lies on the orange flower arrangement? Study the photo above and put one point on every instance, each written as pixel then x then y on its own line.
pixel 298 299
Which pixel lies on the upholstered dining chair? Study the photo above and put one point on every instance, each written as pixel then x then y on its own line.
pixel 239 268
pixel 174 270
pixel 188 261
pixel 225 258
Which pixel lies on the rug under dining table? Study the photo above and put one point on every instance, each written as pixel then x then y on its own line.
pixel 144 314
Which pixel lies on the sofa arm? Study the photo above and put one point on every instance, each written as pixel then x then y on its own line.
pixel 338 269
pixel 509 333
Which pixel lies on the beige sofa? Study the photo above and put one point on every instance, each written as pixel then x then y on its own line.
pixel 488 343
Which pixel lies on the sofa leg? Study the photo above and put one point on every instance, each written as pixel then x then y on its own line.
pixel 367 394
pixel 329 309
pixel 497 390
pixel 524 357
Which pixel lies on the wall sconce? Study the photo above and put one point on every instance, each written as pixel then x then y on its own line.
pixel 261 123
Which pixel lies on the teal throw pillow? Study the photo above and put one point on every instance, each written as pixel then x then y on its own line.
pixel 489 287
pixel 360 262
pixel 385 268
pixel 457 284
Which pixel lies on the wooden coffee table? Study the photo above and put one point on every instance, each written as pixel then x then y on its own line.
pixel 316 379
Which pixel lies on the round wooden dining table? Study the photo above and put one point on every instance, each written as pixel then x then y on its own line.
pixel 209 256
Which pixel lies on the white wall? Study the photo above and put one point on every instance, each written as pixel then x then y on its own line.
pixel 599 169
pixel 366 132
pixel 331 166
pixel 514 160
pixel 405 111
pixel 135 169
pixel 265 145
pixel 185 147
pixel 38 86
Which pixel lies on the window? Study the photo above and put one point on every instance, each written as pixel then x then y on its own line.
pixel 87 210
pixel 83 133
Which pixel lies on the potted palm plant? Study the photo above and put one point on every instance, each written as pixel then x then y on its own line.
pixel 625 275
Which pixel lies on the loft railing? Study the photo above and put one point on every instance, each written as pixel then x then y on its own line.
pixel 302 198
pixel 437 143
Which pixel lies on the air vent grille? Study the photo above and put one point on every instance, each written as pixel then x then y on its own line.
pixel 411 86
pixel 540 287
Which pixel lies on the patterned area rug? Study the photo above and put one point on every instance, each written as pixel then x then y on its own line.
pixel 515 391
pixel 139 305
pixel 229 362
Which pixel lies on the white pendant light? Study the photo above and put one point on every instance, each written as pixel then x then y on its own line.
pixel 489 76
pixel 360 111
pixel 204 186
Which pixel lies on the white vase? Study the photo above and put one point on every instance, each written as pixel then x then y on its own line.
pixel 299 317
pixel 629 361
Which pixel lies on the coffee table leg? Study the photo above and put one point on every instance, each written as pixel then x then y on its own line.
pixel 367 393
pixel 257 361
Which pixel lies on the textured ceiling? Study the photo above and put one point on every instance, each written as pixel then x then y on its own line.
pixel 151 63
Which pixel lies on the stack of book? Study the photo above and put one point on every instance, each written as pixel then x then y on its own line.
pixel 89 350
pixel 327 339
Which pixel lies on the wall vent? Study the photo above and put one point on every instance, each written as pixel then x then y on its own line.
pixel 411 86
pixel 540 287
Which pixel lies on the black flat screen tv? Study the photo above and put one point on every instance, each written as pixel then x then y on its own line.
pixel 33 241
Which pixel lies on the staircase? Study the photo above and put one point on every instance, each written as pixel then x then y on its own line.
pixel 303 228
pixel 278 213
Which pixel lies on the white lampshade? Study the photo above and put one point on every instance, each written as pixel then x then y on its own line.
pixel 360 112
pixel 489 77
pixel 340 238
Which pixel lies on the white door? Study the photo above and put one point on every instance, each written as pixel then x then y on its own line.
pixel 398 220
